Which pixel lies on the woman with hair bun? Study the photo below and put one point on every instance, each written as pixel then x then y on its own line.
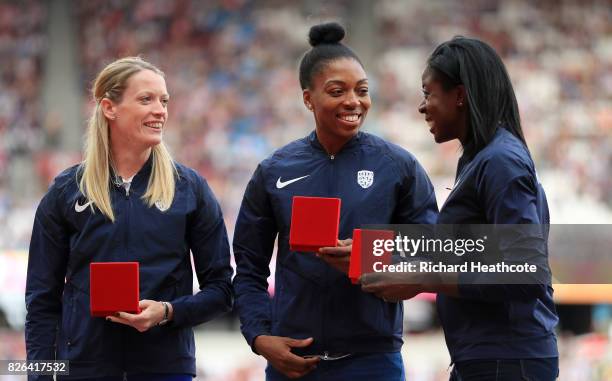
pixel 319 325
pixel 127 201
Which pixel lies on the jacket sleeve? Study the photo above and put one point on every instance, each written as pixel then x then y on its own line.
pixel 512 201
pixel 417 199
pixel 47 262
pixel 207 239
pixel 254 238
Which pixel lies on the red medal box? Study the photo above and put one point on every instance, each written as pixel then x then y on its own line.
pixel 314 223
pixel 114 287
pixel 362 253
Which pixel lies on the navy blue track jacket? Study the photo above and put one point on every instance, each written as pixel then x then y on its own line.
pixel 68 236
pixel 493 321
pixel 312 299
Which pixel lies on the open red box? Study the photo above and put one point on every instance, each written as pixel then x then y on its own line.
pixel 362 253
pixel 314 223
pixel 113 287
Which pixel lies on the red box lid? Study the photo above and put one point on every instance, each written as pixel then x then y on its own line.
pixel 314 223
pixel 362 253
pixel 114 287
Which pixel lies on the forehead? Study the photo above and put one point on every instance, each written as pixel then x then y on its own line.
pixel 427 77
pixel 146 80
pixel 346 70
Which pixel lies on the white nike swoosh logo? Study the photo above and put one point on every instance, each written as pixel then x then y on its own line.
pixel 281 184
pixel 80 208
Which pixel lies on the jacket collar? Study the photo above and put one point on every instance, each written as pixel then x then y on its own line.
pixel 465 160
pixel 142 176
pixel 144 172
pixel 351 144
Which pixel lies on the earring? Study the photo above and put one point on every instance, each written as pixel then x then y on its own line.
pixel 460 103
pixel 309 106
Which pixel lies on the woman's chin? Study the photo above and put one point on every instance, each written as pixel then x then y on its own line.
pixel 153 142
pixel 348 130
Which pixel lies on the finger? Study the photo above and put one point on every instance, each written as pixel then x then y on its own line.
pixel 297 373
pixel 363 279
pixel 310 367
pixel 335 251
pixel 115 319
pixel 368 278
pixel 372 287
pixel 311 361
pixel 145 303
pixel 345 242
pixel 127 316
pixel 373 278
pixel 298 363
pixel 297 343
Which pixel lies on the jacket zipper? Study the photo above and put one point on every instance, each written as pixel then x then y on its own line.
pixel 332 193
pixel 332 187
pixel 126 243
pixel 127 221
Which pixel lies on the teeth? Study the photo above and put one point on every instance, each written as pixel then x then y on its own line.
pixel 350 118
pixel 154 125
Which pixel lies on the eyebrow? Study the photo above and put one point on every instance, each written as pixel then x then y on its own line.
pixel 339 82
pixel 149 92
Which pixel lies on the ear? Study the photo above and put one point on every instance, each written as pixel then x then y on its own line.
pixel 307 99
pixel 461 96
pixel 108 108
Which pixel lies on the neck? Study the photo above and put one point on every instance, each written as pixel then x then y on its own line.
pixel 332 144
pixel 463 130
pixel 127 163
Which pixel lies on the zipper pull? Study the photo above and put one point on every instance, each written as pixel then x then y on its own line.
pixel 126 188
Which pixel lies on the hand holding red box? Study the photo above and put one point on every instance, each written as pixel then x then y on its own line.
pixel 314 223
pixel 114 287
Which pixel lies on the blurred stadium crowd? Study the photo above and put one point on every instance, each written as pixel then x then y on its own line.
pixel 231 68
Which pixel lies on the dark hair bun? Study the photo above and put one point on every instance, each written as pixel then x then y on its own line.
pixel 328 33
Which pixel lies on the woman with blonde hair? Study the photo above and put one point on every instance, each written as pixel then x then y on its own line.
pixel 127 201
